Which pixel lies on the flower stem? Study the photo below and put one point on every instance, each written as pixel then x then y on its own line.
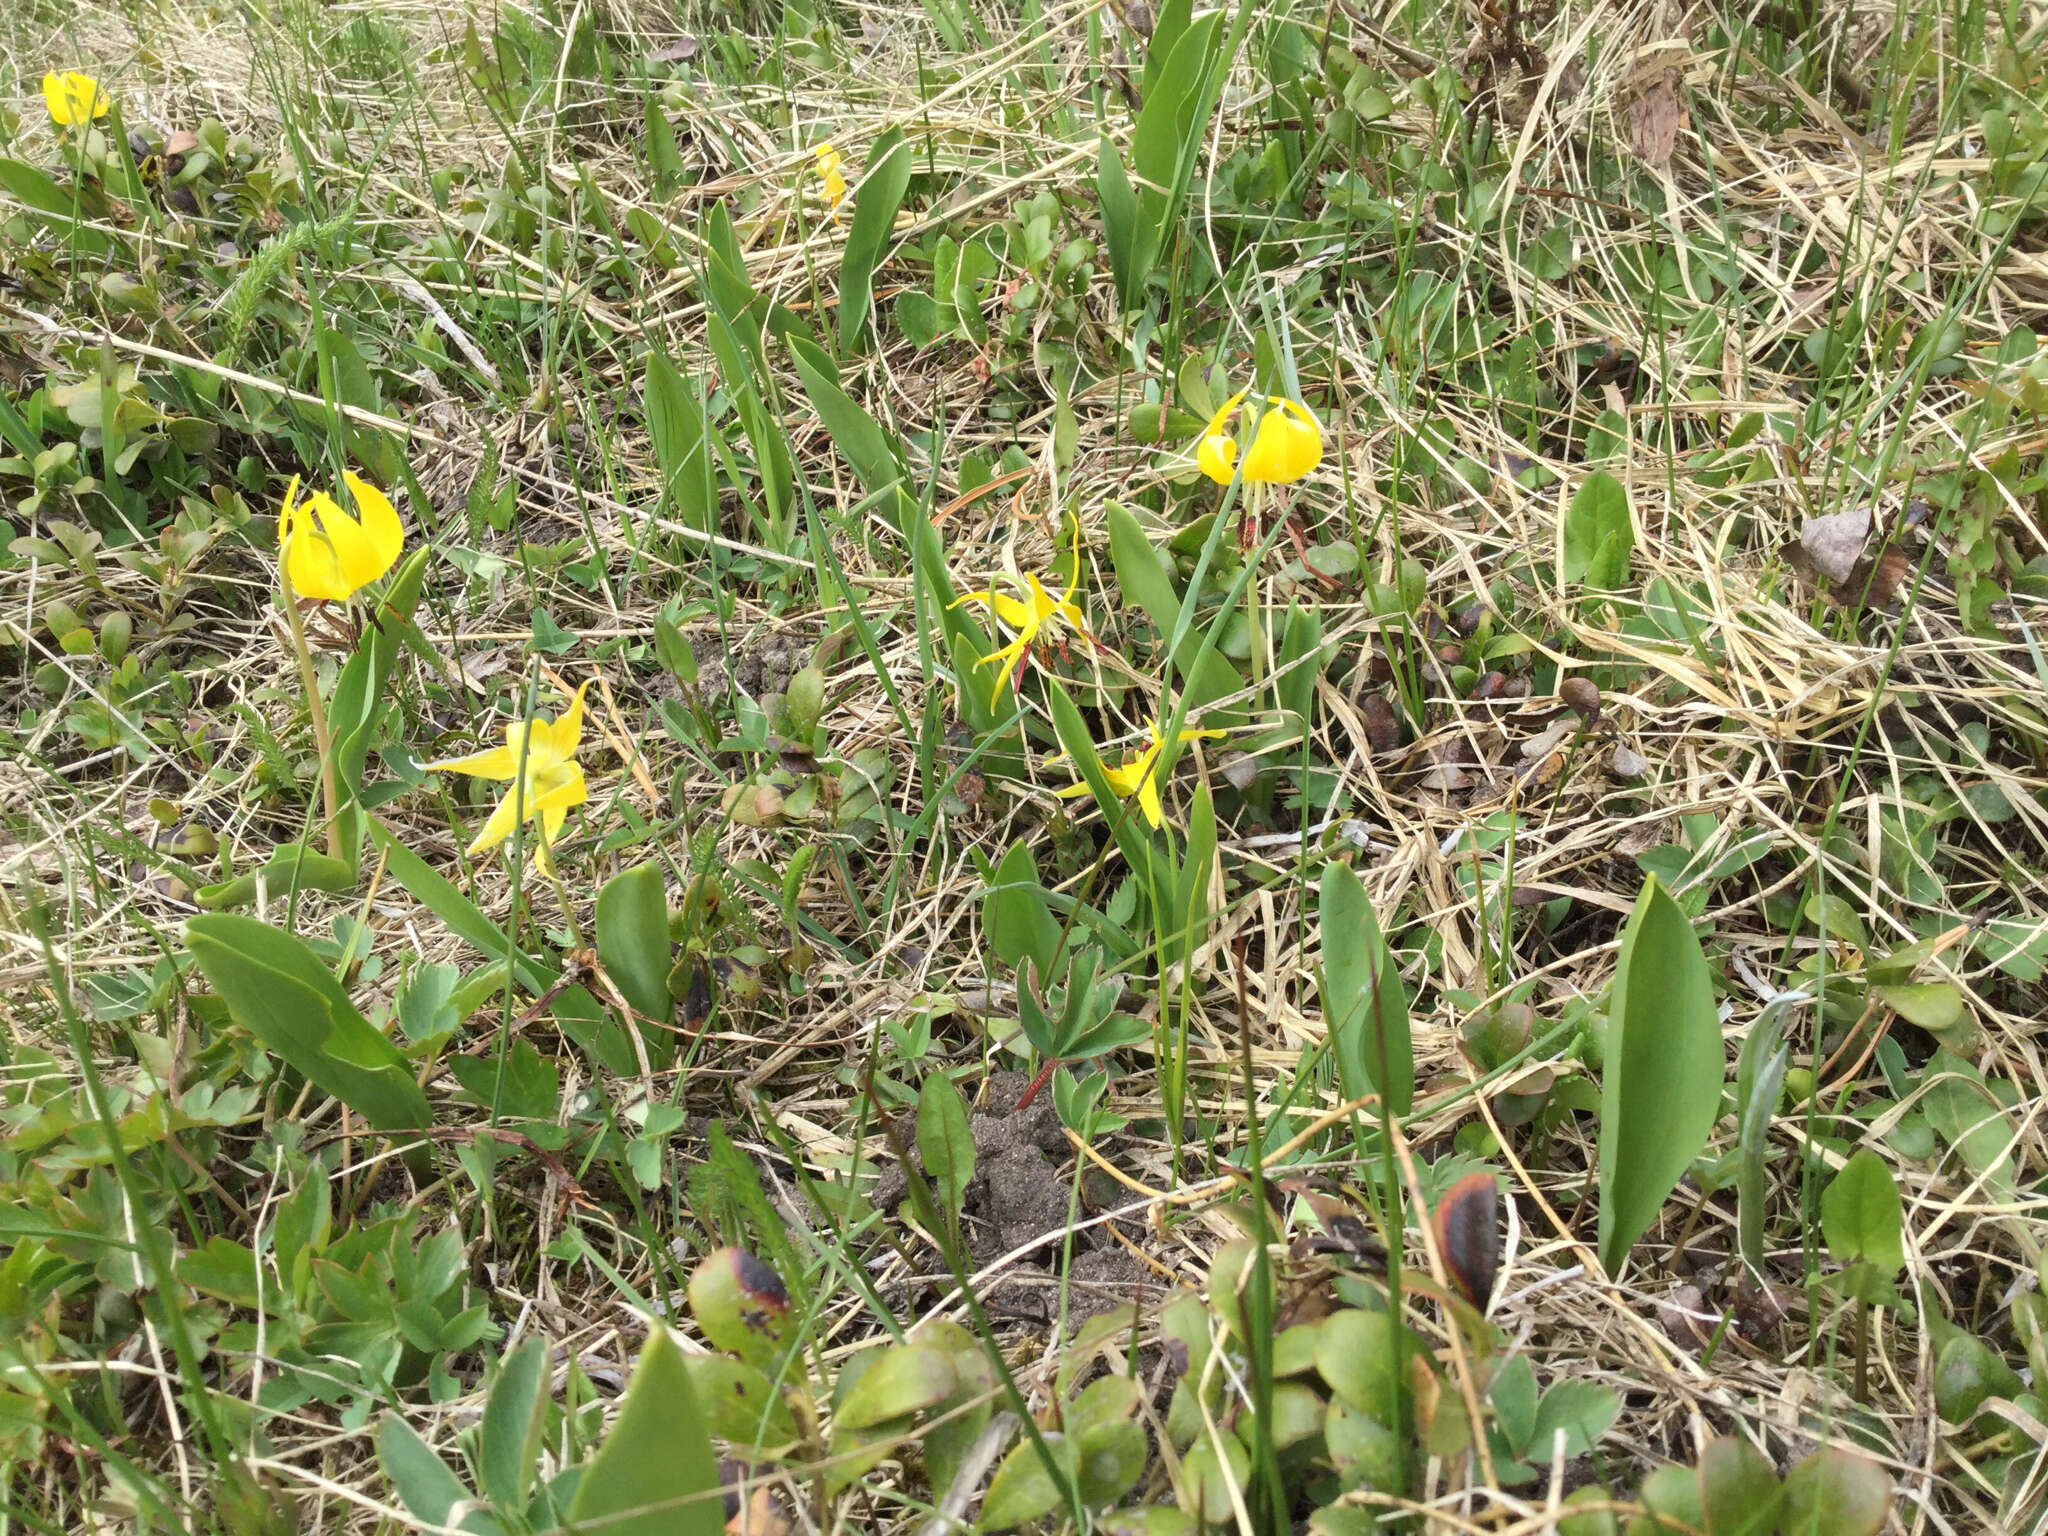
pixel 321 741
pixel 568 908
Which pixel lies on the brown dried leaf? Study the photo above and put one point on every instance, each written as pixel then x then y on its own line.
pixel 1655 116
pixel 1875 580
pixel 1382 725
pixel 1834 543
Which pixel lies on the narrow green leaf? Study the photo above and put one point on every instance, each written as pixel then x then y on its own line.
pixel 943 1140
pixel 280 992
pixel 515 1416
pixel 1144 581
pixel 875 202
pixel 1365 1007
pixel 1131 837
pixel 1661 1088
pixel 854 432
pixel 682 451
pixel 655 1474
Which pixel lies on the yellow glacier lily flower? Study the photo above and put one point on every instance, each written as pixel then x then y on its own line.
pixel 73 99
pixel 828 167
pixel 329 555
pixel 552 783
pixel 1286 447
pixel 1027 618
pixel 1139 775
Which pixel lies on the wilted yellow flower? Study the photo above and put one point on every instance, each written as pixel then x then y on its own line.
pixel 552 781
pixel 1286 447
pixel 827 166
pixel 328 554
pixel 1026 618
pixel 1139 775
pixel 73 98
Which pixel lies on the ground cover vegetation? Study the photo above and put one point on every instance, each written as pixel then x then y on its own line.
pixel 1032 766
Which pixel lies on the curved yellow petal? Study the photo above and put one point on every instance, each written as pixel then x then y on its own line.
pixel 379 523
pixel 1148 802
pixel 498 826
pixel 1287 447
pixel 288 513
pixel 567 732
pixel 1216 453
pixel 497 763
pixel 311 561
pixel 1216 457
pixel 73 98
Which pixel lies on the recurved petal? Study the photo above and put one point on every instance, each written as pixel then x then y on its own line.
pixel 503 818
pixel 497 763
pixel 379 522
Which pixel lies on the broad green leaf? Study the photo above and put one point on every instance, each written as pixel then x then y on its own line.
pixel 1365 1007
pixel 423 1480
pixel 280 992
pixel 1861 1216
pixel 1513 1394
pixel 1835 1493
pixel 1597 532
pixel 1144 581
pixel 1355 1356
pixel 957 1422
pixel 633 946
pixel 515 1417
pixel 875 202
pixel 655 1474
pixel 944 1141
pixel 1024 1487
pixel 903 1379
pixel 1661 1085
pixel 1110 1459
pixel 1584 1410
pixel 36 190
pixel 1209 1476
pixel 1119 205
pixel 1933 1005
pixel 740 1403
pixel 1016 916
pixel 854 432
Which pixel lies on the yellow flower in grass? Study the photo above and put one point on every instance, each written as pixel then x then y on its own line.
pixel 1027 618
pixel 73 99
pixel 1286 447
pixel 552 780
pixel 1139 775
pixel 328 554
pixel 828 165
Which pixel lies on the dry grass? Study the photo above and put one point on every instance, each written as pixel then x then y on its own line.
pixel 1780 717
